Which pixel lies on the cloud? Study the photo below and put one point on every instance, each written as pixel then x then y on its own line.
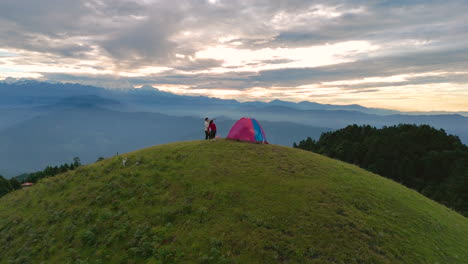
pixel 448 61
pixel 237 45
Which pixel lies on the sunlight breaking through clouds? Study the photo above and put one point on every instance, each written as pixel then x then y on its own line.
pixel 391 79
pixel 284 20
pixel 264 59
pixel 382 54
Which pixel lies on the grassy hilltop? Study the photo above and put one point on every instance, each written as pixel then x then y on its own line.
pixel 226 202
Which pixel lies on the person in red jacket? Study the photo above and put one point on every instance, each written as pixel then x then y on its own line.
pixel 212 128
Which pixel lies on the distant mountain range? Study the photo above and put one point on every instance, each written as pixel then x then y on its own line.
pixel 47 124
pixel 82 126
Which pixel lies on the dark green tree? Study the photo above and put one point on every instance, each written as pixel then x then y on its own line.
pixel 76 162
pixel 49 171
pixel 420 157
pixel 15 184
pixel 5 186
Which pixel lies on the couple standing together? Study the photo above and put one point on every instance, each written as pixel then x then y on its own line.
pixel 210 129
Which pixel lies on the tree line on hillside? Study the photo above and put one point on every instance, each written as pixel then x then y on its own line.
pixel 14 183
pixel 7 186
pixel 420 157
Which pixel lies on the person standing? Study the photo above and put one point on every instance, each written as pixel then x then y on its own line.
pixel 207 128
pixel 212 128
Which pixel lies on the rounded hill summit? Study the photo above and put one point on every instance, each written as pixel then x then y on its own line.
pixel 223 201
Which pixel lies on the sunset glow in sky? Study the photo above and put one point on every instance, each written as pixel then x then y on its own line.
pixel 403 55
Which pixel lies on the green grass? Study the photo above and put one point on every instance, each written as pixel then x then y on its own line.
pixel 226 202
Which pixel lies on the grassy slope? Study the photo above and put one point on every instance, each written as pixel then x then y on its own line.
pixel 226 202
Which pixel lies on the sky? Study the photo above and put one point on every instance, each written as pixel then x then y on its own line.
pixel 402 55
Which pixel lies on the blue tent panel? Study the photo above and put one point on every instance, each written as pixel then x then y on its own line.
pixel 258 131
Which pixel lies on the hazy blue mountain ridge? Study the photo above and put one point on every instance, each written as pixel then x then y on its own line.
pixel 48 124
pixel 90 130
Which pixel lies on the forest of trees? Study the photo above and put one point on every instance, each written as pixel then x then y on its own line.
pixel 420 157
pixel 7 186
pixel 14 183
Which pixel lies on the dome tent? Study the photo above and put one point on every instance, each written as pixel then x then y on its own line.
pixel 247 129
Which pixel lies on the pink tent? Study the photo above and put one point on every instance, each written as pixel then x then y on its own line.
pixel 247 129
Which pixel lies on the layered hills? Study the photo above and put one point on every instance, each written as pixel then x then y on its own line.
pixel 73 120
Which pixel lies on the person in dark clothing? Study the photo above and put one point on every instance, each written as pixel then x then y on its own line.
pixel 212 128
pixel 207 128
